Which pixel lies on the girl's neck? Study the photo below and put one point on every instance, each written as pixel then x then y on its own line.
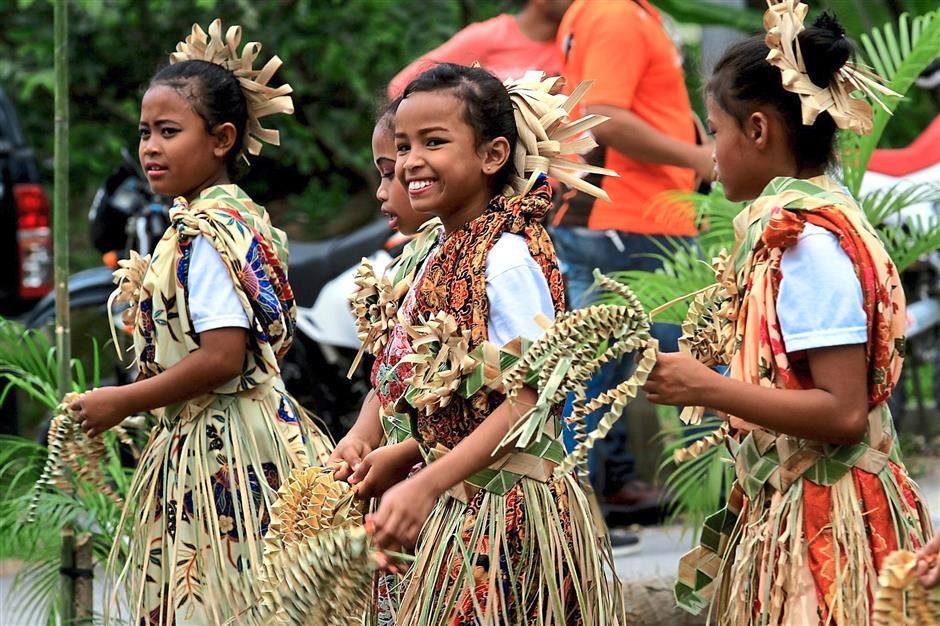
pixel 462 215
pixel 219 178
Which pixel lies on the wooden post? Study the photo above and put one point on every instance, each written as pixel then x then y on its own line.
pixel 82 583
pixel 60 238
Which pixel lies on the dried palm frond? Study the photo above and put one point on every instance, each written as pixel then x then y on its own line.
pixel 898 578
pixel 71 448
pixel 572 349
pixel 441 360
pixel 317 567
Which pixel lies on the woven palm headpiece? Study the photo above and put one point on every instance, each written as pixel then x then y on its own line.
pixel 262 99
pixel 783 22
pixel 547 135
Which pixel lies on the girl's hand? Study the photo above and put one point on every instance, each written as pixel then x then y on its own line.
pixel 679 380
pixel 928 563
pixel 101 409
pixel 381 469
pixel 348 454
pixel 402 513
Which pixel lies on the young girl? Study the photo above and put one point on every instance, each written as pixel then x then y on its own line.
pixel 372 429
pixel 390 193
pixel 376 426
pixel 815 317
pixel 211 315
pixel 493 545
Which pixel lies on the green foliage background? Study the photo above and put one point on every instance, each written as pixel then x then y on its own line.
pixel 338 55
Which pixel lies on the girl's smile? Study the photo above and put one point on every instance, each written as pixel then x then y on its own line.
pixel 446 170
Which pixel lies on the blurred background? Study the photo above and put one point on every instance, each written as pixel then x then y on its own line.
pixel 338 56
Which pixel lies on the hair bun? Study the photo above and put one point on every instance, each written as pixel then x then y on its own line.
pixel 825 48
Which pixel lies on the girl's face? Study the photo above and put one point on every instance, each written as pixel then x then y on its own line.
pixel 737 162
pixel 439 162
pixel 391 193
pixel 178 155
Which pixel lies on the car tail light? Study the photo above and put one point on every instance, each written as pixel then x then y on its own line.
pixel 34 240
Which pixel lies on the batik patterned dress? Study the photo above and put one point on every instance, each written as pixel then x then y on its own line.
pixel 199 502
pixel 504 547
pixel 807 524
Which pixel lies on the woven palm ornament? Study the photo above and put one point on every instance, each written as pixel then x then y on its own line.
pixel 318 564
pixel 70 448
pixel 783 22
pixel 547 135
pixel 262 99
pixel 128 277
pixel 565 358
pixel 898 580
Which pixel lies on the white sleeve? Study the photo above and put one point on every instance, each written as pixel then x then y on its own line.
pixel 517 291
pixel 820 299
pixel 213 302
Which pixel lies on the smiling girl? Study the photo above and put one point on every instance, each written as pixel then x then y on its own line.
pixel 211 315
pixel 498 539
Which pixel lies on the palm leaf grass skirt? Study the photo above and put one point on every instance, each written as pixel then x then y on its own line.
pixel 531 556
pixel 199 505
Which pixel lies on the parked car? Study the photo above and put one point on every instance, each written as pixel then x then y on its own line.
pixel 25 237
pixel 26 247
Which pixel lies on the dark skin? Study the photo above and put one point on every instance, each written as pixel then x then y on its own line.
pixel 629 134
pixel 218 360
pixel 448 174
pixel 190 159
pixel 749 155
pixel 928 563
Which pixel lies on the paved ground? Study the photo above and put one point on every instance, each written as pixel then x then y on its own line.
pixel 660 549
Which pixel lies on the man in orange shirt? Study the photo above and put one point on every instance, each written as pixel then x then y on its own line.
pixel 650 141
pixel 506 45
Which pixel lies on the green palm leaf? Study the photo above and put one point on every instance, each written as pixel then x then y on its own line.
pixel 917 237
pixel 28 362
pixel 898 57
pixel 698 485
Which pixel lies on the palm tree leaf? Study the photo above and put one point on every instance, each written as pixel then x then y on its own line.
pixel 881 204
pixel 899 66
pixel 907 245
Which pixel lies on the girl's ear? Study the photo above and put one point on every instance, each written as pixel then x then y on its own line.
pixel 758 129
pixel 224 135
pixel 495 153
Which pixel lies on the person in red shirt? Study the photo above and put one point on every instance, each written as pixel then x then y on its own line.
pixel 506 45
pixel 650 141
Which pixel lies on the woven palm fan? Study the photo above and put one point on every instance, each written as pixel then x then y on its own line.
pixel 318 559
pixel 71 448
pixel 898 579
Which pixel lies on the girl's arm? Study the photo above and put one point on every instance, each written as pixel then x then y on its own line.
pixel 405 507
pixel 218 359
pixel 835 411
pixel 364 437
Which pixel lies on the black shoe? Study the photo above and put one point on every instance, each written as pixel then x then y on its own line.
pixel 623 541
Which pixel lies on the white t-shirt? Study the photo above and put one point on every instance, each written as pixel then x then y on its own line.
pixel 213 302
pixel 820 299
pixel 517 291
